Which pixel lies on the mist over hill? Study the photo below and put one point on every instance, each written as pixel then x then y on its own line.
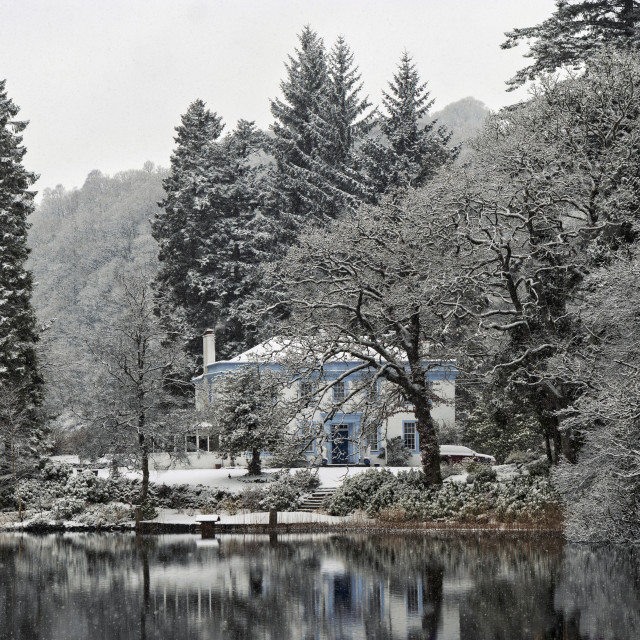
pixel 464 118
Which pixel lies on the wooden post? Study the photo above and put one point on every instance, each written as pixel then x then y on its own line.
pixel 273 518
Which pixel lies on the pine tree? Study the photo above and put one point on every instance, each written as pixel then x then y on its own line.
pixel 18 333
pixel 574 31
pixel 179 228
pixel 295 128
pixel 20 381
pixel 317 122
pixel 411 151
pixel 214 227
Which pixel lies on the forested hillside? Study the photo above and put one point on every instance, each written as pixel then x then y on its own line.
pixel 81 241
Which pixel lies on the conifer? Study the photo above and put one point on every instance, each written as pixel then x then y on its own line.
pixel 18 331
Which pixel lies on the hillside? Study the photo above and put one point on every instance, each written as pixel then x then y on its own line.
pixel 81 240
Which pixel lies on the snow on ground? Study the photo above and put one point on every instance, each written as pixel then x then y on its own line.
pixel 231 479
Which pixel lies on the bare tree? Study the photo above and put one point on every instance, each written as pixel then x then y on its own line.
pixel 132 406
pixel 380 290
pixel 552 194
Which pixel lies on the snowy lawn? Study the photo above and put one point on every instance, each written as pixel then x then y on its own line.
pixel 236 479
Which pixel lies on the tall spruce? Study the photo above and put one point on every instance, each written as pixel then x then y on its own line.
pixel 575 30
pixel 413 147
pixel 316 124
pixel 18 331
pixel 187 207
pixel 21 385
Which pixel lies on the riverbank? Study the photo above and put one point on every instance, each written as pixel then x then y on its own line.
pixel 175 521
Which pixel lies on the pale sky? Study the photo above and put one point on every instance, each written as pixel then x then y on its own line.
pixel 104 82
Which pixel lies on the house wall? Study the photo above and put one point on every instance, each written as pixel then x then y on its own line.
pixel 441 377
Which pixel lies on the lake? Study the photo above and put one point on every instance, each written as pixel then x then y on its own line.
pixel 117 586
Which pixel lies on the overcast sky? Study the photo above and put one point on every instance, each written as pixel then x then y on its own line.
pixel 104 82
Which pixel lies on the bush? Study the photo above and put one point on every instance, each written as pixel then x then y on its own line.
pixel 397 455
pixel 357 491
pixel 522 457
pixel 285 492
pixel 539 467
pixel 100 515
pixel 448 470
pixel 381 494
pixel 485 474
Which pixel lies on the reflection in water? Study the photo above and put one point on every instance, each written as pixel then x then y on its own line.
pixel 325 587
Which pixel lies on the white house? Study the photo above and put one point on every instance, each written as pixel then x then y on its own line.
pixel 340 434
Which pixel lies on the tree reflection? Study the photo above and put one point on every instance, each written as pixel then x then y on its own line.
pixel 378 587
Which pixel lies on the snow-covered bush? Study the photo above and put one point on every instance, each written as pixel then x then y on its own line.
pixel 66 508
pixel 101 515
pixel 381 494
pixel 448 470
pixel 285 492
pixel 485 474
pixel 282 496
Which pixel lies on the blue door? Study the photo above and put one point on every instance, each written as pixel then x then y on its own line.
pixel 340 446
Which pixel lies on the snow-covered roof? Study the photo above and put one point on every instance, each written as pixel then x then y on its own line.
pixel 455 450
pixel 459 450
pixel 264 351
pixel 278 347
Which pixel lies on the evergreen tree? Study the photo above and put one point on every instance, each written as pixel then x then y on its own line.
pixel 214 227
pixel 18 333
pixel 187 207
pixel 575 31
pixel 411 151
pixel 20 380
pixel 316 125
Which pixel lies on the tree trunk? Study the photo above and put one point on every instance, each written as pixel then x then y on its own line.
pixel 547 446
pixel 144 465
pixel 255 466
pixel 428 442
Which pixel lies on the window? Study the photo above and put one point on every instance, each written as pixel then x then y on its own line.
pixel 307 437
pixel 410 435
pixel 374 437
pixel 306 388
pixel 372 394
pixel 195 443
pixel 339 391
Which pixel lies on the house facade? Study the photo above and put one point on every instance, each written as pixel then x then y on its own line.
pixel 338 429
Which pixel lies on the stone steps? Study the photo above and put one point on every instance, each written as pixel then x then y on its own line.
pixel 316 501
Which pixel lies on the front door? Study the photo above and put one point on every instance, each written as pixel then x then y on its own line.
pixel 340 446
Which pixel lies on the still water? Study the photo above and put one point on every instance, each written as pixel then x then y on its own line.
pixel 97 586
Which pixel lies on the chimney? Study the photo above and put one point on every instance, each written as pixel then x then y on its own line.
pixel 208 348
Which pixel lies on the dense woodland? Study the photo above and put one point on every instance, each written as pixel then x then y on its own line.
pixel 366 231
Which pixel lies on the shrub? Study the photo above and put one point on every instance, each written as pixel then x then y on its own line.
pixel 382 495
pixel 448 470
pixel 539 467
pixel 100 515
pixel 397 455
pixel 357 491
pixel 485 474
pixel 522 457
pixel 66 508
